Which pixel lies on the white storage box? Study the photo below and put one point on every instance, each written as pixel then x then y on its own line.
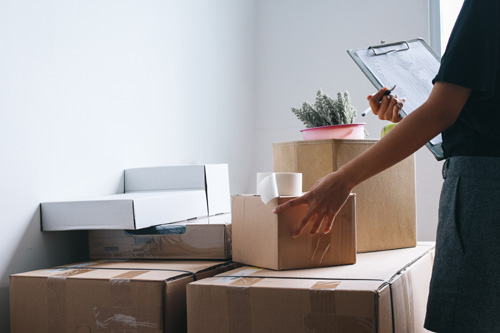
pixel 152 196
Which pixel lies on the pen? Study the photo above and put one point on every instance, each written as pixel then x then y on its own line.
pixel 387 92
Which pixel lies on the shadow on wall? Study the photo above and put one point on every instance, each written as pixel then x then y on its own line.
pixel 38 250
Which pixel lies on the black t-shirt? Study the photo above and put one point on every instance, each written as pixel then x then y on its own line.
pixel 472 60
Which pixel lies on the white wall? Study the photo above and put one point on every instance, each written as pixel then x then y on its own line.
pixel 301 47
pixel 89 88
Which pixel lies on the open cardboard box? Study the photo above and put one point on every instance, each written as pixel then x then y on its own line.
pixel 384 291
pixel 262 238
pixel 120 296
pixel 202 238
pixel 152 196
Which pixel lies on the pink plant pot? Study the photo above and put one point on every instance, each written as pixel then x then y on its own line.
pixel 344 131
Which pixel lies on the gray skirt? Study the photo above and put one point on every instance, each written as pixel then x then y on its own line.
pixel 465 285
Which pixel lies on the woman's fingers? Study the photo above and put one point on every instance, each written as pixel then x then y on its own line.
pixel 373 99
pixel 396 118
pixel 329 225
pixel 310 217
pixel 386 107
pixel 317 225
pixel 289 204
pixel 388 104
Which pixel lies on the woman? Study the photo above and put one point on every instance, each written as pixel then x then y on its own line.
pixel 464 105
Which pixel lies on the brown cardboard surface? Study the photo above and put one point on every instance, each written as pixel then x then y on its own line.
pixel 104 299
pixel 287 303
pixel 385 203
pixel 202 238
pixel 261 238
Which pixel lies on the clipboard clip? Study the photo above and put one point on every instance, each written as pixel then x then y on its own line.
pixel 404 46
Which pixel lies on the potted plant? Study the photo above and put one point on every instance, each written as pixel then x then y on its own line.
pixel 329 118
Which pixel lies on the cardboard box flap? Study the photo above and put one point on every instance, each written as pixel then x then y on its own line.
pixel 380 266
pixel 165 178
pixel 169 207
pixel 187 266
pixel 103 274
pixel 217 185
pixel 174 228
pixel 214 219
pixel 293 283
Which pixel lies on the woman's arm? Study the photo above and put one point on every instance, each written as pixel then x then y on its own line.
pixel 327 197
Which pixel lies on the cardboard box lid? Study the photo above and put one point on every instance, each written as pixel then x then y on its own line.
pixel 133 210
pixel 379 266
pixel 176 266
pixel 212 178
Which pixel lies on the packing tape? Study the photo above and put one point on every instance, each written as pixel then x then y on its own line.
pixel 121 312
pixel 271 185
pixel 56 298
pixel 56 304
pixel 327 316
pixel 239 308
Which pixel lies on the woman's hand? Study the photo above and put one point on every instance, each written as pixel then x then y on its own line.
pixel 389 106
pixel 324 201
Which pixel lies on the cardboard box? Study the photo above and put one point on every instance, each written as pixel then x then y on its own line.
pixel 122 296
pixel 264 239
pixel 202 238
pixel 153 196
pixel 385 203
pixel 383 292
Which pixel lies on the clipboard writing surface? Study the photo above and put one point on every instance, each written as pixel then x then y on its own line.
pixel 411 65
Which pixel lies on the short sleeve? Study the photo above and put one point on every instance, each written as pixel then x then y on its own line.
pixel 471 59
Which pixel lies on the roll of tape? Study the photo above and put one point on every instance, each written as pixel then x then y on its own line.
pixel 273 184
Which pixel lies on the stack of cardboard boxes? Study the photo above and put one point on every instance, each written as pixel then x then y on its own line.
pixel 381 284
pixel 367 275
pixel 131 294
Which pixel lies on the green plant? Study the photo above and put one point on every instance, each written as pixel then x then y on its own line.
pixel 327 111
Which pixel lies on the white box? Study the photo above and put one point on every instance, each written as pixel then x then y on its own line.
pixel 212 178
pixel 133 210
pixel 153 196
